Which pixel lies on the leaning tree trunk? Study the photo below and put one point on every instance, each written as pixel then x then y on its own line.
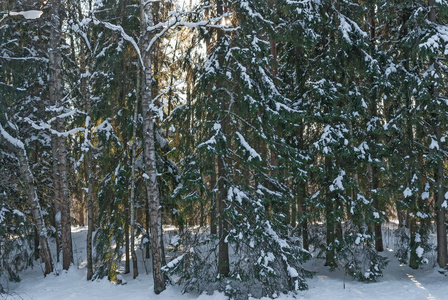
pixel 149 146
pixel 33 201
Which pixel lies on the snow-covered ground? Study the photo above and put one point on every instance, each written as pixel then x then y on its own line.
pixel 399 282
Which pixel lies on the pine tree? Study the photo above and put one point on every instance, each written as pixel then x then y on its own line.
pixel 250 196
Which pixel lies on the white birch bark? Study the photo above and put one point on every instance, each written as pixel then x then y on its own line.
pixel 30 189
pixel 149 151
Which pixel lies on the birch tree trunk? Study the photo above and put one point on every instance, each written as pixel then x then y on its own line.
pixel 149 151
pixel 36 212
pixel 86 66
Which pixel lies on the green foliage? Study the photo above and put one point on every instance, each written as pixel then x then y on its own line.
pixel 16 231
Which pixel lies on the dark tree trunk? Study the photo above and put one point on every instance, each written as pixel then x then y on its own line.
pixel 223 251
pixel 213 225
pixel 223 255
pixel 330 254
pixel 442 256
pixel 127 263
pixel 36 244
pixel 132 196
pixel 378 231
pixel 59 141
pixel 414 260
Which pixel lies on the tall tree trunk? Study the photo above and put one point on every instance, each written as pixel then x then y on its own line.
pixel 132 196
pixel 149 145
pixel 223 226
pixel 442 255
pixel 86 67
pixel 213 187
pixel 60 156
pixel 302 194
pixel 90 228
pixel 374 181
pixel 330 259
pixel 123 97
pixel 89 216
pixel 32 199
pixel 56 196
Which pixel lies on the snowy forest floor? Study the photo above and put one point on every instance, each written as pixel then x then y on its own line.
pixel 399 282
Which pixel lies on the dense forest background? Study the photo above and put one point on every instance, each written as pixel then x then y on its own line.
pixel 260 130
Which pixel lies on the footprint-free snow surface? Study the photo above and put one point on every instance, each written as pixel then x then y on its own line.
pixel 399 282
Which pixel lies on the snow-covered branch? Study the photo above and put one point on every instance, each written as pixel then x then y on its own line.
pixel 12 140
pixel 123 34
pixel 45 126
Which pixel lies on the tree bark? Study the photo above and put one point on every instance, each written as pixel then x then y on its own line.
pixel 32 199
pixel 414 260
pixel 374 181
pixel 223 246
pixel 213 225
pixel 147 225
pixel 90 212
pixel 442 255
pixel 149 145
pixel 86 65
pixel 59 141
pixel 223 255
pixel 132 196
pixel 302 211
pixel 330 254
pixel 36 244
pixel 127 263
